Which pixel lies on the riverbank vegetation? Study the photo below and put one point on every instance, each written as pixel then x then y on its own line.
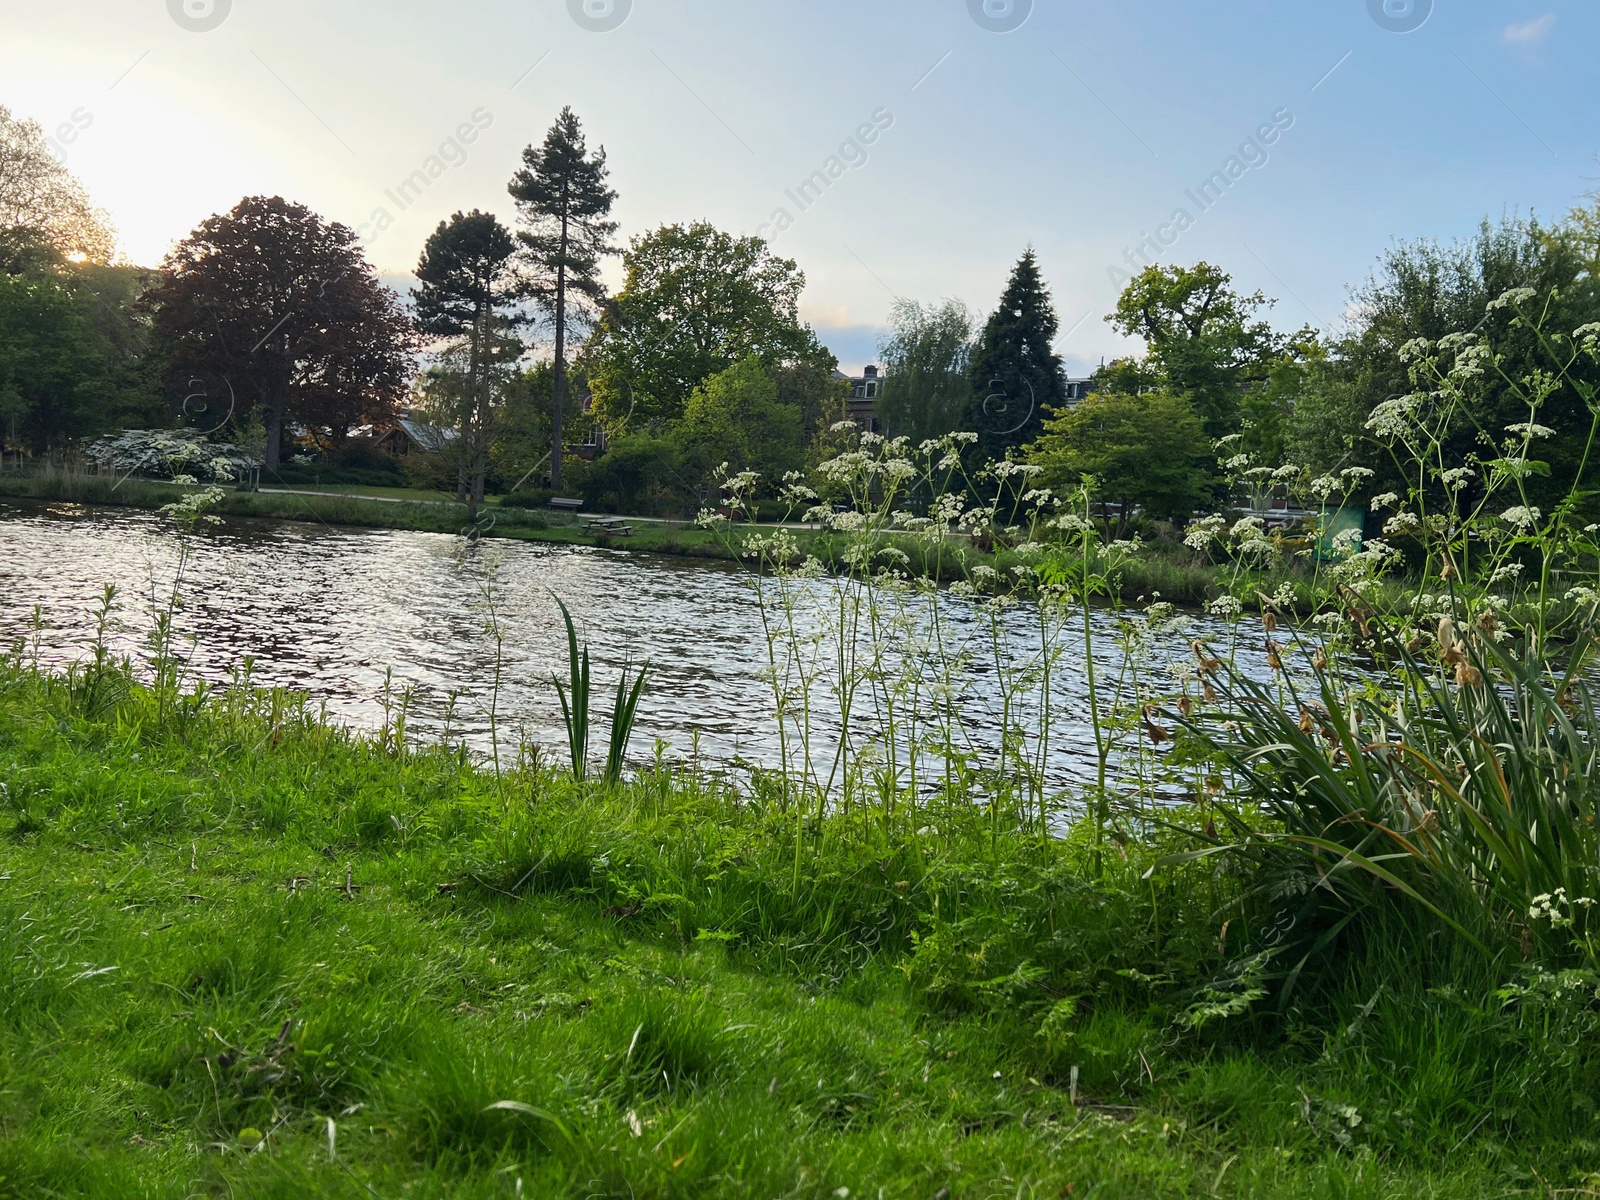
pixel 1316 921
pixel 251 952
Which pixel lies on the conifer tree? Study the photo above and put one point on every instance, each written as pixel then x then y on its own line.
pixel 565 205
pixel 468 295
pixel 1015 372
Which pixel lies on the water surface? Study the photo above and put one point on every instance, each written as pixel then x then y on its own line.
pixel 332 611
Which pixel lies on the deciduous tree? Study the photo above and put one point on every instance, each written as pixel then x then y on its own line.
pixel 283 306
pixel 696 301
pixel 925 360
pixel 1147 452
pixel 735 417
pixel 1205 340
pixel 40 197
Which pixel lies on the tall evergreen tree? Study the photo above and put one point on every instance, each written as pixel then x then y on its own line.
pixel 565 206
pixel 1016 374
pixel 469 295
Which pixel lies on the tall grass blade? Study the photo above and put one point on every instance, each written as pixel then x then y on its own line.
pixel 622 715
pixel 575 705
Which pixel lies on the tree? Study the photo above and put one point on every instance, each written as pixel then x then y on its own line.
pixel 695 301
pixel 1205 340
pixel 736 418
pixel 925 360
pixel 470 297
pixel 522 434
pixel 564 205
pixel 283 306
pixel 39 197
pixel 1016 374
pixel 1427 290
pixel 48 363
pixel 1145 452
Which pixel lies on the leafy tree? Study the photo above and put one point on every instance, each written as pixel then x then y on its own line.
pixel 469 295
pixel 48 363
pixel 812 384
pixel 1427 290
pixel 522 442
pixel 1205 340
pixel 925 360
pixel 695 302
pixel 642 473
pixel 1015 372
pixel 1129 375
pixel 564 204
pixel 284 306
pixel 41 202
pixel 1148 452
pixel 735 417
pixel 72 348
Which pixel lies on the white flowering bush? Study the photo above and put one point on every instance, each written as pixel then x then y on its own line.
pixel 179 455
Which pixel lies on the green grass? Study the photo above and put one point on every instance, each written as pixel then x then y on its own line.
pixel 226 924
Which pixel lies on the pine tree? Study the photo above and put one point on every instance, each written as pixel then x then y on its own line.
pixel 1016 374
pixel 564 205
pixel 469 295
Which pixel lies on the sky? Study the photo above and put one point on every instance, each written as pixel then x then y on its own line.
pixel 957 132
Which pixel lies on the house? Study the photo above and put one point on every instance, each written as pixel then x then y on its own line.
pixel 411 433
pixel 860 405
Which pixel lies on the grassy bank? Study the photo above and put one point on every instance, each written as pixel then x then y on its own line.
pixel 1175 577
pixel 336 508
pixel 249 954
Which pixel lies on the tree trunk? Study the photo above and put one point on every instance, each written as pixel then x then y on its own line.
pixel 274 422
pixel 560 374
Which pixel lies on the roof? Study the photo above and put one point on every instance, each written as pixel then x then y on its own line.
pixel 432 438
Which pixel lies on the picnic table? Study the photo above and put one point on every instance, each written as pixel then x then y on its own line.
pixel 611 526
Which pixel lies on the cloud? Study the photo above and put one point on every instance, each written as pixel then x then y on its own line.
pixel 1528 33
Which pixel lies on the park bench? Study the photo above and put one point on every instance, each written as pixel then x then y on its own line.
pixel 567 503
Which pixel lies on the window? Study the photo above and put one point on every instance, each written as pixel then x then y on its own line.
pixel 872 390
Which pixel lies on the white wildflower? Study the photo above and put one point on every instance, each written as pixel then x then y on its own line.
pixel 1324 486
pixel 1521 517
pixel 1509 571
pixel 1514 297
pixel 1393 417
pixel 1226 607
pixel 1527 429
